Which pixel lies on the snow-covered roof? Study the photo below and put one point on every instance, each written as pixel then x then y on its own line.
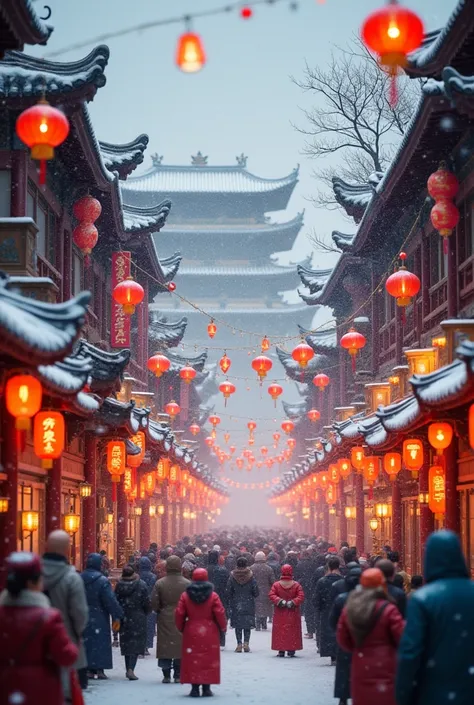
pixel 163 333
pixel 313 279
pixel 124 158
pixel 343 241
pixel 20 24
pixel 151 219
pixel 355 197
pixel 107 367
pixel 266 229
pixel 231 311
pixel 23 76
pixel 324 338
pixel 170 266
pixel 178 361
pixel 66 377
pixel 298 373
pixel 265 270
pixel 457 88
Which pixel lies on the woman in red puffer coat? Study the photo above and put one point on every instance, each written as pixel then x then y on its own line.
pixel 200 616
pixel 287 595
pixel 371 627
pixel 33 640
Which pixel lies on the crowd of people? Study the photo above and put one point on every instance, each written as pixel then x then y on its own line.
pixel 393 639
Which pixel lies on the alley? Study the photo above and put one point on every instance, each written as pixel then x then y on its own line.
pixel 259 677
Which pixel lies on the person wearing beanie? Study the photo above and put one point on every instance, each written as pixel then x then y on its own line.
pixel 242 590
pixel 200 616
pixel 34 643
pixel 371 627
pixel 132 595
pixel 265 577
pixel 287 597
pixel 164 600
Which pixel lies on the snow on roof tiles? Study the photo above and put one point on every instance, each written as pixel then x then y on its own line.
pixel 244 270
pixel 170 266
pixel 124 158
pixel 23 23
pixel 325 338
pixel 164 333
pixel 343 241
pixel 266 229
pixel 152 218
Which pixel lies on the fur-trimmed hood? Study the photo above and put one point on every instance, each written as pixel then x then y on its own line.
pixel 199 592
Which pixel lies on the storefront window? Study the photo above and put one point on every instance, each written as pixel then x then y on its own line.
pixel 411 537
pixel 29 500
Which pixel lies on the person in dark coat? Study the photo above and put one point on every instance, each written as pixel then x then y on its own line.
pixel 341 586
pixel 436 654
pixel 265 578
pixel 397 594
pixel 149 578
pixel 303 574
pixel 103 607
pixel 34 643
pixel 219 577
pixel 132 595
pixel 274 562
pixel 323 604
pixel 319 565
pixel 342 682
pixel 242 590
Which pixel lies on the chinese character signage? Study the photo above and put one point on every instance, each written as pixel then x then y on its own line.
pixel 120 323
pixel 116 458
pixel 437 490
pixel 49 436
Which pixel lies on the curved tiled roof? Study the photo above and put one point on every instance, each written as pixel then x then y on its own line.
pixel 343 241
pixel 325 338
pixel 354 197
pixel 163 333
pixel 20 25
pixel 268 270
pixel 170 266
pixel 313 279
pixel 124 158
pixel 152 218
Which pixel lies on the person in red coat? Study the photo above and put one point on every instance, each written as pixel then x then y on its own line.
pixel 287 595
pixel 34 643
pixel 201 617
pixel 371 627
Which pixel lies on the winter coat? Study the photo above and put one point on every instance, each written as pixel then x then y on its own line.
pixel 274 562
pixel 164 599
pixel 436 654
pixel 34 645
pixel 242 590
pixel 303 573
pixel 399 597
pixel 149 578
pixel 200 616
pixel 103 607
pixel 323 603
pixel 65 590
pixel 132 596
pixel 219 577
pixel 373 669
pixel 286 629
pixel 264 577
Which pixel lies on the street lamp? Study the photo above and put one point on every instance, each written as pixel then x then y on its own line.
pixel 85 489
pixel 72 522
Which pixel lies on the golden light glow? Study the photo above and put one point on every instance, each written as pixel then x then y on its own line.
pixel 393 31
pixel 424 497
pixel 439 341
pixel 382 510
pixel 29 521
pixel 152 510
pixel 4 504
pixel 161 510
pixel 85 489
pixel 72 522
pixel 374 524
pixel 110 518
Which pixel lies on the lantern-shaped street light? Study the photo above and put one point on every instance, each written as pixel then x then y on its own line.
pixel 158 364
pixel 128 293
pixel 403 286
pixel 353 341
pixel 321 381
pixel 190 54
pixel 187 374
pixel 303 353
pixel 72 522
pixel 23 395
pixel 85 490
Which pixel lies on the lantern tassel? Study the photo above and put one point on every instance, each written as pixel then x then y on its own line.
pixel 87 260
pixel 114 491
pixel 393 91
pixel 371 493
pixel 403 316
pixel 445 246
pixel 42 172
pixel 353 363
pixel 20 441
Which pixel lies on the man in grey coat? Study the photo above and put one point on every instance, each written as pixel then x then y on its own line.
pixel 65 589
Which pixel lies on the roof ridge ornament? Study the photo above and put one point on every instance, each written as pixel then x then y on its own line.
pixel 156 159
pixel 199 159
pixel 242 160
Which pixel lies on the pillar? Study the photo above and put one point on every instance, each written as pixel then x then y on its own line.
pixel 145 524
pixel 181 524
pixel 325 521
pixel 360 514
pixel 89 505
pixel 9 520
pixel 342 377
pixel 452 520
pixel 426 515
pixel 342 521
pixel 452 286
pixel 165 518
pixel 122 522
pixel 53 497
pixel 312 518
pixel 318 522
pixel 19 181
pixel 397 518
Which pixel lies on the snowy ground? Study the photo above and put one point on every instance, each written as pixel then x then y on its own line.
pixel 261 678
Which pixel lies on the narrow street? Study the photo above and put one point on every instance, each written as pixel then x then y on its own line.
pixel 259 678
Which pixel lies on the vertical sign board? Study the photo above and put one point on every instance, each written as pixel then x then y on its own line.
pixel 120 324
pixel 184 401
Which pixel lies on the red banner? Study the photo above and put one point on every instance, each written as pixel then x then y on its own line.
pixel 120 323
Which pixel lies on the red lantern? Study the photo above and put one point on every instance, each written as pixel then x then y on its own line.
pixel 262 365
pixel 353 341
pixel 443 184
pixel 211 329
pixel 413 455
pixel 226 437
pixel 190 55
pixel 87 209
pixel 134 461
pixel 49 435
pixel 129 294
pixel 171 287
pixel 246 12
pixel 225 363
pixel 444 218
pixel 321 381
pixel 291 443
pixel 345 468
pixel 209 441
pixel 403 286
pixel 187 374
pixel 274 391
pixel 287 426
pixel 314 415
pixel 392 32
pixel 240 463
pixel 158 364
pixel 194 429
pixel 357 457
pixel 392 464
pixel 251 426
pixel 440 435
pixel 276 436
pixel 265 344
pixel 227 388
pixel 437 490
pixel 214 420
pixel 85 236
pixel 251 441
pixel 172 409
pixel 23 395
pixel 303 353
pixel 42 128
pixel 264 450
pixel 232 450
pixel 116 454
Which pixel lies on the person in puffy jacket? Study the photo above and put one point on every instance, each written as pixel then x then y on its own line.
pixel 287 596
pixel 148 576
pixel 132 595
pixel 34 643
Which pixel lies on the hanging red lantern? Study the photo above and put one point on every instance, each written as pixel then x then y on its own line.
pixel 171 286
pixel 287 426
pixel 129 294
pixel 211 329
pixel 313 415
pixel 172 409
pixel 87 209
pixel 264 450
pixel 246 12
pixel 214 420
pixel 116 454
pixel 42 128
pixel 440 435
pixel 345 468
pixel 251 441
pixel 232 450
pixel 276 436
pixel 403 286
pixel 321 381
pixel 225 363
pixel 227 388
pixel 158 364
pixel 392 464
pixel 194 429
pixel 274 391
pixel 413 455
pixel 240 463
pixel 209 441
pixel 265 344
pixel 262 365
pixel 187 374
pixel 357 457
pixel 269 463
pixel 134 461
pixel 23 395
pixel 85 237
pixel 370 471
pixel 190 54
pixel 437 490
pixel 353 341
pixel 392 32
pixel 303 353
pixel 443 184
pixel 444 218
pixel 291 443
pixel 49 436
pixel 226 437
pixel 251 426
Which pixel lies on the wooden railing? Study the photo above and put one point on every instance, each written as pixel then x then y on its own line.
pixel 46 269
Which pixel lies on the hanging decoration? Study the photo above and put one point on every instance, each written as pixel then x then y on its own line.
pixel 190 54
pixel 357 458
pixel 172 409
pixel 246 12
pixel 275 390
pixel 334 473
pixel 265 344
pixel 232 450
pixel 291 443
pixel 225 363
pixel 264 450
pixel 276 437
pixel 85 235
pixel 23 394
pixel 353 341
pixel 443 187
pixel 227 388
pixel 303 353
pixel 321 381
pixel 251 427
pixel 128 293
pixel 226 437
pixel 440 435
pixel 370 471
pixel 392 32
pixel 413 455
pixel 392 464
pixel 262 365
pixel 194 429
pixel 209 441
pixel 214 420
pixel 437 490
pixel 287 426
pixel 48 436
pixel 42 128
pixel 171 286
pixel 158 364
pixel 116 454
pixel 314 415
pixel 187 374
pixel 345 467
pixel 211 329
pixel 134 461
pixel 403 286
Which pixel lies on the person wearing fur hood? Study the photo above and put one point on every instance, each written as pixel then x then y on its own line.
pixel 242 591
